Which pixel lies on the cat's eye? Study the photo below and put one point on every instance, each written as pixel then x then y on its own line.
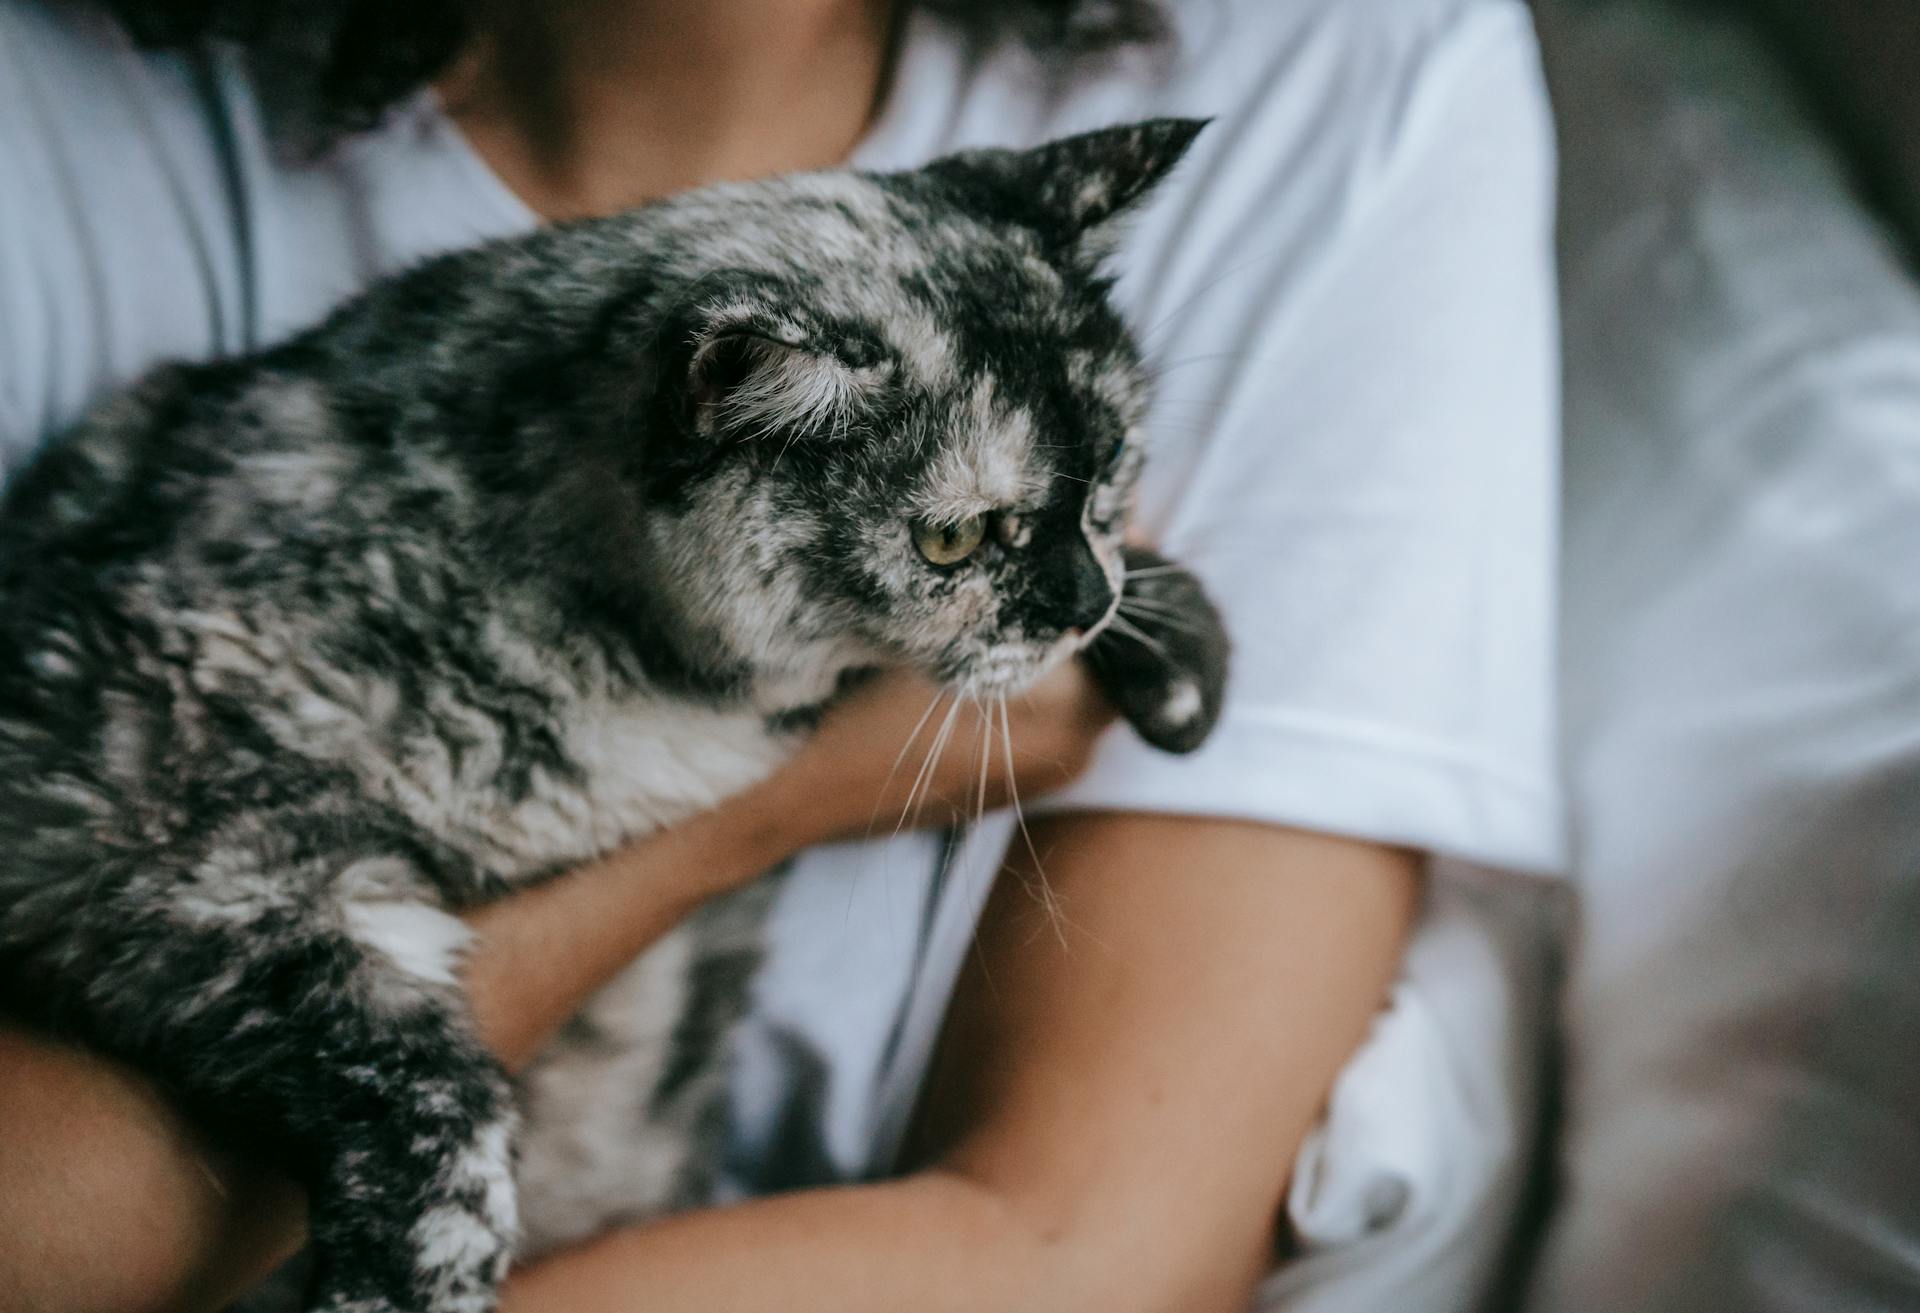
pixel 949 544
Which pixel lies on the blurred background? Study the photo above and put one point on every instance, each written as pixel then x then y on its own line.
pixel 1735 1116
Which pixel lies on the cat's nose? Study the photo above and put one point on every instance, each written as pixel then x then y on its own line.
pixel 1090 596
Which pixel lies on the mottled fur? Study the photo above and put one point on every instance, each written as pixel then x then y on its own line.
pixel 525 553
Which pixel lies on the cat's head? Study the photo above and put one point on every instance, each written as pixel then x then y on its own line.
pixel 894 419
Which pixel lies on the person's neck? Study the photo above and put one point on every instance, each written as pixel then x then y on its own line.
pixel 586 107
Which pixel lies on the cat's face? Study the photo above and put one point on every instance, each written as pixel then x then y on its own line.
pixel 900 415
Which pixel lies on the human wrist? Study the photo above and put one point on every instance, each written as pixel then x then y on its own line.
pixel 755 830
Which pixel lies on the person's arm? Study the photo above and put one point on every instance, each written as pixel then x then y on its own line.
pixel 1111 1120
pixel 110 1202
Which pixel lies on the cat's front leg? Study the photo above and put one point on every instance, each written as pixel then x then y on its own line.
pixel 333 1040
pixel 414 1207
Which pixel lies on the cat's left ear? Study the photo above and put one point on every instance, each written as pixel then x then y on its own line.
pixel 1073 188
pixel 746 367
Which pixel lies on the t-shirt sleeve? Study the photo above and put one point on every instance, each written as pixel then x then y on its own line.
pixel 1356 448
pixel 120 244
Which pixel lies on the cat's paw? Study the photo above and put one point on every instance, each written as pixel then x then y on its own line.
pixel 1163 661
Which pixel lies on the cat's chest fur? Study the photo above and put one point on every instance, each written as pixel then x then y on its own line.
pixel 520 760
pixel 618 768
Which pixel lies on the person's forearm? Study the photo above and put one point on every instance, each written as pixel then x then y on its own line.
pixel 542 953
pixel 1110 1123
pixel 934 1242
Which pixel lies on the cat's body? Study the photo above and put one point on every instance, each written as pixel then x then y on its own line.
pixel 541 745
pixel 525 554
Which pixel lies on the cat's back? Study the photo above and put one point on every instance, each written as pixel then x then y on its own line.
pixel 217 584
pixel 185 565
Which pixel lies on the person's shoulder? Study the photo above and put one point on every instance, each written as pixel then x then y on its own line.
pixel 1320 105
pixel 1324 107
pixel 1373 28
pixel 118 239
pixel 80 102
pixel 55 46
pixel 1364 54
pixel 1305 93
pixel 33 25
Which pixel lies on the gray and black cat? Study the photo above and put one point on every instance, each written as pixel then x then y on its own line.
pixel 522 554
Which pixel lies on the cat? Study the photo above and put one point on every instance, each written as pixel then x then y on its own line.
pixel 524 553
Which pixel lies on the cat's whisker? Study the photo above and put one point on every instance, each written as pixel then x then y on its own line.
pixel 923 783
pixel 935 757
pixel 1147 602
pixel 912 737
pixel 1055 916
pixel 925 776
pixel 1161 368
pixel 1150 336
pixel 1157 571
pixel 986 748
pixel 1125 629
pixel 1163 616
pixel 1163 621
pixel 900 757
pixel 785 447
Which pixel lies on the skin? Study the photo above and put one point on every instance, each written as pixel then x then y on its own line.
pixel 1085 1145
pixel 1113 1114
pixel 586 107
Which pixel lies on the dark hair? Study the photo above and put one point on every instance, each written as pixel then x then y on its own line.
pixel 1066 25
pixel 349 60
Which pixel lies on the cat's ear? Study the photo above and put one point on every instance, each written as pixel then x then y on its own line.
pixel 1071 189
pixel 744 367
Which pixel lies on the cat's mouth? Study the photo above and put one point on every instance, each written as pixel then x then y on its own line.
pixel 1012 667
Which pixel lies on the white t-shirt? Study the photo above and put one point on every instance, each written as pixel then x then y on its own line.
pixel 1348 291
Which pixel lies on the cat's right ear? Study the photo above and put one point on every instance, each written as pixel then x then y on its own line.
pixel 745 368
pixel 1071 190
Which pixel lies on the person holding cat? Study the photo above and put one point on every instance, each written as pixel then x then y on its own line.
pixel 1093 1102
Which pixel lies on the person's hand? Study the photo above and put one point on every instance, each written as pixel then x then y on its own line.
pixel 902 752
